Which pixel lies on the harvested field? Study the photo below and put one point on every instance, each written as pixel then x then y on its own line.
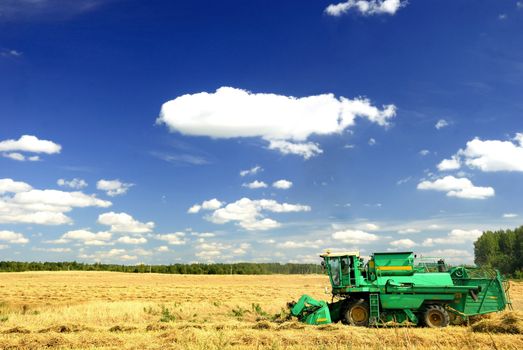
pixel 103 310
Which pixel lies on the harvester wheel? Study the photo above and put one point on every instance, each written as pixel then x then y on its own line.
pixel 358 313
pixel 435 316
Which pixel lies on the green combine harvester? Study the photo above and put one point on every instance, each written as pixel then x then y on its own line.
pixel 392 289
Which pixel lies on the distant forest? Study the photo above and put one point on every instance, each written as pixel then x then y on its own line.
pixel 502 250
pixel 196 269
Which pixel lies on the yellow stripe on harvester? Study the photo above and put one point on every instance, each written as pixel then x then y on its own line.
pixel 395 268
pixel 321 319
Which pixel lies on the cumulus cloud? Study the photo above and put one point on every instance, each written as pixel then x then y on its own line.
pixel 408 230
pixel 86 237
pixel 113 187
pixel 31 144
pixel 366 7
pixel 441 124
pixel 248 213
pixel 456 236
pixel 457 187
pixel 124 223
pixel 211 204
pixel 403 243
pixel 9 185
pixel 282 184
pixel 13 237
pixel 255 184
pixel 354 237
pixel 211 251
pixel 453 256
pixel 424 152
pixel 131 240
pixel 177 238
pixel 75 183
pixel 286 122
pixel 449 164
pixel 252 171
pixel 28 144
pixel 301 244
pixel 23 204
pixel 488 155
pixel 303 149
pixel 112 255
pixel 20 157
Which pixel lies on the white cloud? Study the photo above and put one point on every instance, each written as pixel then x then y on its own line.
pixel 203 234
pixel 372 141
pixel 255 184
pixel 408 230
pixel 424 152
pixel 494 155
pixel 23 204
pixel 177 238
pixel 510 215
pixel 131 240
pixel 194 209
pixel 248 213
pixel 301 244
pixel 457 187
pixel 13 237
pixel 441 124
pixel 113 187
pixel 211 251
pixel 449 164
pixel 86 237
pixel 282 184
pixel 456 236
pixel 453 256
pixel 286 122
pixel 303 149
pixel 75 183
pixel 403 243
pixel 369 226
pixel 31 144
pixel 366 7
pixel 9 185
pixel 53 250
pixel 211 204
pixel 519 4
pixel 14 156
pixel 125 223
pixel 354 237
pixel 162 249
pixel 113 255
pixel 502 16
pixel 252 171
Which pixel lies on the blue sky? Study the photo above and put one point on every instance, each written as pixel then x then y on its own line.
pixel 169 131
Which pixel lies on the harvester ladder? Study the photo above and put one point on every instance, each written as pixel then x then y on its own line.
pixel 374 303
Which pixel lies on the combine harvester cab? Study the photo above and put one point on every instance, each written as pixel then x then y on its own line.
pixel 390 288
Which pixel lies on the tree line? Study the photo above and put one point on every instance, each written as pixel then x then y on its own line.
pixel 193 269
pixel 502 250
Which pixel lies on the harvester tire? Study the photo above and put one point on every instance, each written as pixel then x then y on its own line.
pixel 358 313
pixel 435 316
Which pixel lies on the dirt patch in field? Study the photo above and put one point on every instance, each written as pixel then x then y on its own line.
pixel 65 328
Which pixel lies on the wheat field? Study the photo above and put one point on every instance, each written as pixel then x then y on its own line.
pixel 105 310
